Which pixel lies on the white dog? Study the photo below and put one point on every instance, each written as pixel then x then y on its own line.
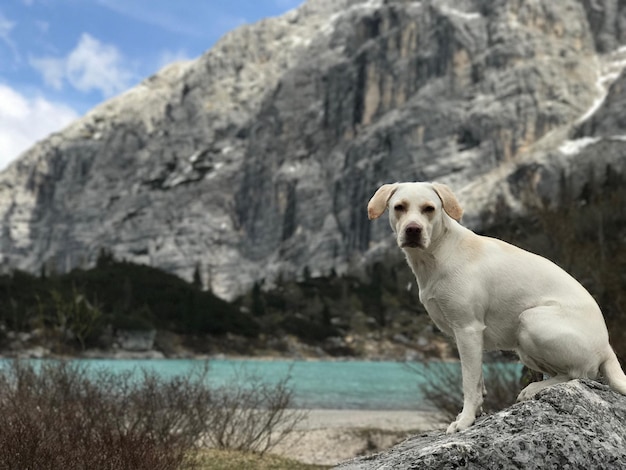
pixel 488 294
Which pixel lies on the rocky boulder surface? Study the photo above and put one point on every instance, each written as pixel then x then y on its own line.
pixel 577 425
pixel 256 160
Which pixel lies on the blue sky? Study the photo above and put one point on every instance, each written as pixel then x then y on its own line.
pixel 60 58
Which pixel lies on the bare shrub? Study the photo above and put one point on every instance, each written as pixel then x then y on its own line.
pixel 441 386
pixel 59 415
pixel 56 415
pixel 256 417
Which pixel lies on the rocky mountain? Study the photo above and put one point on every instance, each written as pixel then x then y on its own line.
pixel 257 159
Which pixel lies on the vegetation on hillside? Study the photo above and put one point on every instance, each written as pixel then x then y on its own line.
pixel 83 308
pixel 79 306
pixel 584 232
pixel 380 303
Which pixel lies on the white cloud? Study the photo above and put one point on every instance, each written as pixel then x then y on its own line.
pixel 169 57
pixel 92 65
pixel 23 121
pixel 6 27
pixel 53 71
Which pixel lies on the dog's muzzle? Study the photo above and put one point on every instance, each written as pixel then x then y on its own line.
pixel 412 236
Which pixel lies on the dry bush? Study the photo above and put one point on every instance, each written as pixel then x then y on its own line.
pixel 57 415
pixel 441 386
pixel 60 415
pixel 255 417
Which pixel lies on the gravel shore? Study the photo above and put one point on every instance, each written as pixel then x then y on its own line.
pixel 328 437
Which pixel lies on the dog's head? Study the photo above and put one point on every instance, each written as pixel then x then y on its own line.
pixel 416 210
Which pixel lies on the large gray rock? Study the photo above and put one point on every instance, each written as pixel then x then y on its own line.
pixel 577 425
pixel 257 159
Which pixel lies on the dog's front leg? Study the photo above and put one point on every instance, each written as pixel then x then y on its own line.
pixel 469 341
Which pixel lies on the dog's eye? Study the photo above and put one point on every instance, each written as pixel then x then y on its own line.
pixel 399 207
pixel 428 209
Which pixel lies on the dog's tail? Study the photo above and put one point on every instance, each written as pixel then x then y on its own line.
pixel 613 372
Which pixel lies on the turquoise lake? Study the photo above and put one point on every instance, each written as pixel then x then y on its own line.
pixel 374 385
pixel 316 384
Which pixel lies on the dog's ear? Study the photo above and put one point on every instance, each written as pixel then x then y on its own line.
pixel 378 203
pixel 450 203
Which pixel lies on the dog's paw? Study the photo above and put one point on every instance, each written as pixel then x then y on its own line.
pixel 462 423
pixel 530 391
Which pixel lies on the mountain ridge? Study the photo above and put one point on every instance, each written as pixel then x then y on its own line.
pixel 256 160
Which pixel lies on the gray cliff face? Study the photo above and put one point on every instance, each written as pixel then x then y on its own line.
pixel 577 425
pixel 257 159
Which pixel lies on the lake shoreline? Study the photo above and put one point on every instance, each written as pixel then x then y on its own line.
pixel 165 344
pixel 328 437
pixel 36 353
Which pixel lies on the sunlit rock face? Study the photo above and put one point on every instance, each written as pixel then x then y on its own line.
pixel 257 159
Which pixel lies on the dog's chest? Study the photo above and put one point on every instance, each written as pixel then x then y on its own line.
pixel 436 315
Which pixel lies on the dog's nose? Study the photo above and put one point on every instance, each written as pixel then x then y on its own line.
pixel 413 230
